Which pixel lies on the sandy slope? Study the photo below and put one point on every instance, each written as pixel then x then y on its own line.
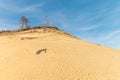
pixel 67 58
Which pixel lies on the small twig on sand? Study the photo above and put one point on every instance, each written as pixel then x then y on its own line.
pixel 41 50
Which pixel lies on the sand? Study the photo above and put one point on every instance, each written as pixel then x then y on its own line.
pixel 66 58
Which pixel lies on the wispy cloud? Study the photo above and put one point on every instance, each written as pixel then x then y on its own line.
pixel 60 18
pixel 30 8
pixel 90 27
pixel 111 35
pixel 16 9
pixel 5 6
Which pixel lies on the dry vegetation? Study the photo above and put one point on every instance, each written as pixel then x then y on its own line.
pixel 38 29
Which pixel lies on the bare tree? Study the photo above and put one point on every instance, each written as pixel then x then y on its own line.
pixel 24 23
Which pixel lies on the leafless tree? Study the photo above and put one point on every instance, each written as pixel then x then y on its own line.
pixel 24 23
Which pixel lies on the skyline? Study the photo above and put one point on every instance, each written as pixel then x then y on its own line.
pixel 95 21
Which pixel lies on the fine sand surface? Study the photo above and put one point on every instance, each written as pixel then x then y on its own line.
pixel 66 58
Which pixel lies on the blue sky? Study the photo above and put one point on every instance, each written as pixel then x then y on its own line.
pixel 96 21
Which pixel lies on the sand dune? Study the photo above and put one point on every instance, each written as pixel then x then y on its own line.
pixel 66 58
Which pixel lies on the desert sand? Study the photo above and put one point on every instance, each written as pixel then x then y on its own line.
pixel 66 57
